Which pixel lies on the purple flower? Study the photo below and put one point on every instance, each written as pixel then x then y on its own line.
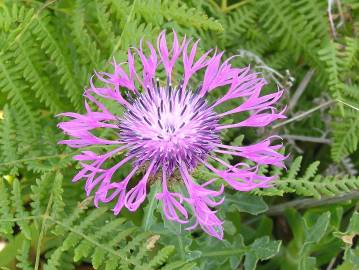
pixel 168 129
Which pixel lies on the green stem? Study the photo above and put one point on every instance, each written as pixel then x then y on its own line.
pixel 279 209
pixel 304 114
pixel 224 4
pixel 224 253
pixel 35 158
pixel 310 203
pixel 129 17
pixel 180 243
pixel 215 5
pixel 347 104
pixel 151 208
pixel 63 155
pixel 24 28
pixel 21 218
pixel 234 6
pixel 42 233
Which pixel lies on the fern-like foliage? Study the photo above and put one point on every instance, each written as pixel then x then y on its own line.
pixel 16 91
pixel 245 22
pixel 116 245
pixel 20 149
pixel 28 59
pixel 345 135
pixel 340 62
pixel 315 15
pixel 23 257
pixel 284 20
pixel 334 65
pixel 166 10
pixel 48 52
pixel 8 139
pixel 95 235
pixel 49 39
pixel 19 211
pixel 5 211
pixel 86 47
pixel 310 183
pixel 105 28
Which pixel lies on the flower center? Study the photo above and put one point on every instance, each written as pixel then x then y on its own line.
pixel 171 126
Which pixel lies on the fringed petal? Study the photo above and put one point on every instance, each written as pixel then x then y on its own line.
pixel 262 153
pixel 242 179
pixel 256 102
pixel 169 58
pixel 119 78
pixel 259 118
pixel 121 190
pixel 172 203
pixel 136 196
pixel 189 66
pixel 200 200
pixel 149 64
pixel 80 126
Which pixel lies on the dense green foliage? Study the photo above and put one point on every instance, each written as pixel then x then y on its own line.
pixel 308 220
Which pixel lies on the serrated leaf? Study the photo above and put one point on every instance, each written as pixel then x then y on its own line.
pixel 261 249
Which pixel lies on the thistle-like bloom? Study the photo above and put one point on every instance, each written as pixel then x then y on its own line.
pixel 168 129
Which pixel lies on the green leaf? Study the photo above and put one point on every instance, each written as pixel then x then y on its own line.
pixel 315 233
pixel 19 209
pixel 354 224
pixel 5 213
pixel 351 231
pixel 261 249
pixel 149 218
pixel 248 203
pixel 307 263
pixel 296 224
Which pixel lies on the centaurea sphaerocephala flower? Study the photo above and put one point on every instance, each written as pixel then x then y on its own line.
pixel 169 129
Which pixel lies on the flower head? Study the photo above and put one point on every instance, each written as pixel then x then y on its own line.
pixel 169 128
